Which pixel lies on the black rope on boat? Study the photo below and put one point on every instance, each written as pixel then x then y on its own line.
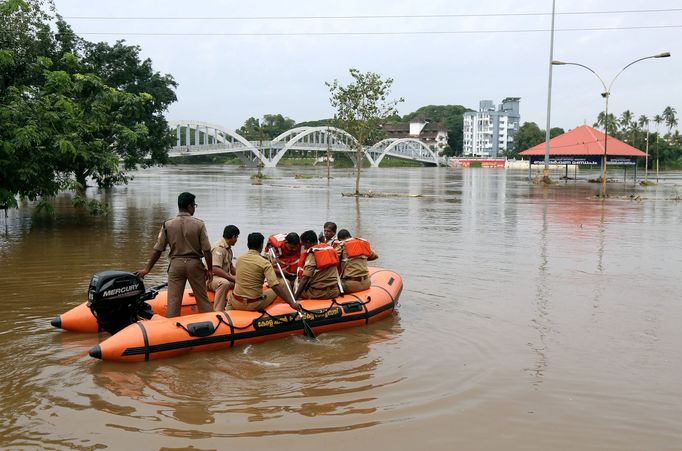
pixel 262 314
pixel 221 320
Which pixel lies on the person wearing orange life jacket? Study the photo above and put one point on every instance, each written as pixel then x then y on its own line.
pixel 287 249
pixel 354 253
pixel 319 279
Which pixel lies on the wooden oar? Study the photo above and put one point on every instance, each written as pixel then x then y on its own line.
pixel 306 328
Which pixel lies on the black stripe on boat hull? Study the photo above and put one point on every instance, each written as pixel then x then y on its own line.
pixel 284 327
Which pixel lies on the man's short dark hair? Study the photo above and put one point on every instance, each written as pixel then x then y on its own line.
pixel 292 238
pixel 185 200
pixel 230 231
pixel 343 234
pixel 255 241
pixel 308 237
pixel 330 225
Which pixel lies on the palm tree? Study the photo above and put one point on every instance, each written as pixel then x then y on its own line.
pixel 602 122
pixel 644 122
pixel 669 116
pixel 658 119
pixel 625 120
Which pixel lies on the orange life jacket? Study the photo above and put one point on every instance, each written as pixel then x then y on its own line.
pixel 301 264
pixel 325 256
pixel 289 259
pixel 357 247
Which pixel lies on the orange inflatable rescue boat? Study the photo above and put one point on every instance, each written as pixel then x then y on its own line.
pixel 117 300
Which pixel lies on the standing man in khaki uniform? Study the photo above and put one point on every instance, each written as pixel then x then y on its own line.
pixel 320 276
pixel 223 268
pixel 252 270
pixel 188 241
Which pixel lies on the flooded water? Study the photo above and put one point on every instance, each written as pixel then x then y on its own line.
pixel 532 318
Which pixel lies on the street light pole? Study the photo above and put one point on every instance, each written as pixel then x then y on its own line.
pixel 606 94
pixel 545 172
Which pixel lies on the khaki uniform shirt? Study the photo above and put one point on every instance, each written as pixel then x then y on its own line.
pixel 353 267
pixel 252 270
pixel 221 254
pixel 186 236
pixel 320 280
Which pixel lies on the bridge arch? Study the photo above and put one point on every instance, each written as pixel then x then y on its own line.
pixel 220 135
pixel 406 148
pixel 337 139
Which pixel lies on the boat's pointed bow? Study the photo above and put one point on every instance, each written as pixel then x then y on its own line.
pixel 57 321
pixel 96 352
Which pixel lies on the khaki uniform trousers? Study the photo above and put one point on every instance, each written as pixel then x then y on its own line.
pixel 220 287
pixel 320 293
pixel 260 303
pixel 353 286
pixel 181 270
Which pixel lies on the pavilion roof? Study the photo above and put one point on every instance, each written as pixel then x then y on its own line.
pixel 584 140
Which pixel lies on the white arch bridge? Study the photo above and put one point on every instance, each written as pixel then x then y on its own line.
pixel 203 138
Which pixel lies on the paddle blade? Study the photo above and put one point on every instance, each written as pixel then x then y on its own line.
pixel 307 330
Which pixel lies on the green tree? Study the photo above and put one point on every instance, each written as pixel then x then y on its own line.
pixel 121 67
pixel 274 125
pixel 555 131
pixel 27 164
pixel 628 124
pixel 361 107
pixel 270 127
pixel 643 124
pixel 625 119
pixel 70 109
pixel 611 121
pixel 527 136
pixel 670 118
pixel 251 130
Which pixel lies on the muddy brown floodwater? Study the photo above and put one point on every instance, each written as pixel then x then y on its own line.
pixel 532 318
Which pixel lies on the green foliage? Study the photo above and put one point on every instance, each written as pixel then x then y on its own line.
pixel 318 123
pixel 71 110
pixel 269 128
pixel 667 149
pixel 555 131
pixel 528 135
pixel 361 107
pixel 451 116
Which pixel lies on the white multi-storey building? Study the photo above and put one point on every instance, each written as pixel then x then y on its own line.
pixel 488 132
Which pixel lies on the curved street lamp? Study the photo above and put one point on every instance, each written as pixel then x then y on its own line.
pixel 605 95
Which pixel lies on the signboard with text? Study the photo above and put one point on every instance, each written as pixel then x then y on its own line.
pixel 584 160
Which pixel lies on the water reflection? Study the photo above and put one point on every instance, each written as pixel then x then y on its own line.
pixel 541 322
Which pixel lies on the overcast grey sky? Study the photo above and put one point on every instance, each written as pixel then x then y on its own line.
pixel 227 78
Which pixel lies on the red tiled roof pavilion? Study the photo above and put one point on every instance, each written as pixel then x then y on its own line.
pixel 584 140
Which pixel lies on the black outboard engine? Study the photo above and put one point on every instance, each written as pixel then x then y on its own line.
pixel 117 299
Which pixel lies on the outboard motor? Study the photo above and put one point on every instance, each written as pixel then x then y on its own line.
pixel 117 299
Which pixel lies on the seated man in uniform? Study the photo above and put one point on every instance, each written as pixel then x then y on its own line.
pixel 287 249
pixel 329 234
pixel 223 268
pixel 354 254
pixel 252 270
pixel 320 276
